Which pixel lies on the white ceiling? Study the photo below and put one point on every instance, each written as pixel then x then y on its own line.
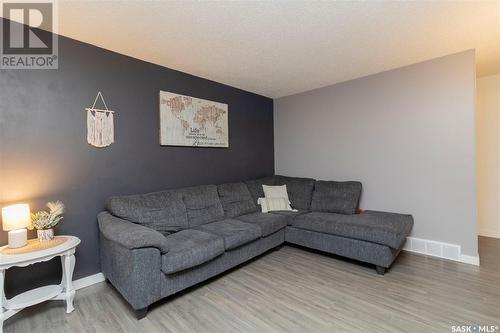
pixel 278 48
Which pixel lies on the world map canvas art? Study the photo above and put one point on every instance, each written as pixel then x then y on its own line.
pixel 194 122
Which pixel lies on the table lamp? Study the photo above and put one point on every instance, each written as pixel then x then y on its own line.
pixel 15 219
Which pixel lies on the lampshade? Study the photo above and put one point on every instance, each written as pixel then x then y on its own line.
pixel 15 217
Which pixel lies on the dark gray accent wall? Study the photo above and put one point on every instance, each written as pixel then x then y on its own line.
pixel 44 155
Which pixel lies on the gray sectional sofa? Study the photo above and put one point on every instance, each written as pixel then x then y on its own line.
pixel 157 244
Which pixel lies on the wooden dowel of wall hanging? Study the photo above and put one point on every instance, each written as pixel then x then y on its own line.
pixel 98 110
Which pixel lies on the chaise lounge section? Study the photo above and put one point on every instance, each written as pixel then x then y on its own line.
pixel 157 244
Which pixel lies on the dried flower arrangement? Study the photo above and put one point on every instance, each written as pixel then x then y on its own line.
pixel 44 220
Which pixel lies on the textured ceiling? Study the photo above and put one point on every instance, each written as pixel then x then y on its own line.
pixel 278 48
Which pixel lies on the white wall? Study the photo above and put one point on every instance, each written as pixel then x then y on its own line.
pixel 408 134
pixel 488 151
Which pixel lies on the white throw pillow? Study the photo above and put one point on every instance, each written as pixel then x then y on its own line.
pixel 276 198
pixel 275 191
pixel 273 204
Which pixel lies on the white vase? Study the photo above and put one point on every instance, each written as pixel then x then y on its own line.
pixel 45 235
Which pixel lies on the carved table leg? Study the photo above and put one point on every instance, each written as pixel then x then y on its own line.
pixel 68 265
pixel 3 300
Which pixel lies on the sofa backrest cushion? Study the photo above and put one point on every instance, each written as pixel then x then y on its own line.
pixel 336 197
pixel 236 199
pixel 300 190
pixel 202 204
pixel 162 211
pixel 255 187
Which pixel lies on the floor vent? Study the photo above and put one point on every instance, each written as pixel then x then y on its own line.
pixel 439 249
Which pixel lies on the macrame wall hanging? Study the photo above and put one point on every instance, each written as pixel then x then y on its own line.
pixel 100 128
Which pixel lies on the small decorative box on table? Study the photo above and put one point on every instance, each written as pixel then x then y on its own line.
pixel 35 252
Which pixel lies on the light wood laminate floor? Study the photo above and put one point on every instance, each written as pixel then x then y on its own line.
pixel 295 290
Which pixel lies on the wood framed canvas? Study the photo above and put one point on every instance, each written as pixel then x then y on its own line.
pixel 193 122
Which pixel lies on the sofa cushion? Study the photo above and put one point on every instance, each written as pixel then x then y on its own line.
pixel 202 204
pixel 162 211
pixel 389 229
pixel 290 214
pixel 190 248
pixel 336 197
pixel 268 223
pixel 300 190
pixel 235 233
pixel 236 199
pixel 255 187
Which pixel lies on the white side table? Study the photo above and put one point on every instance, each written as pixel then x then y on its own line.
pixel 34 252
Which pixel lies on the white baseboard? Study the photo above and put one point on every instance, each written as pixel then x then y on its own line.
pixel 88 281
pixel 489 233
pixel 473 260
pixel 439 250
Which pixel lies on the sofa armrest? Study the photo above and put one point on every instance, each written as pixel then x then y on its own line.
pixel 130 235
pixel 135 273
